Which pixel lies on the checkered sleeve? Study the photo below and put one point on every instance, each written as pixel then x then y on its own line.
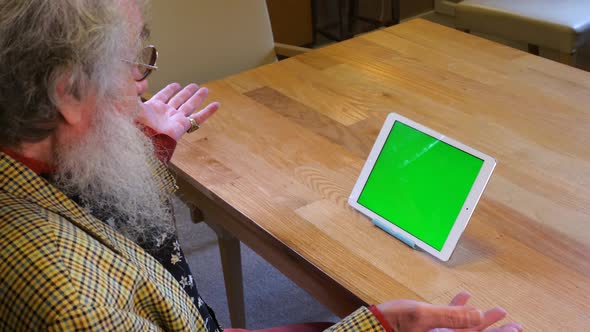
pixel 63 270
pixel 362 320
pixel 164 179
pixel 85 318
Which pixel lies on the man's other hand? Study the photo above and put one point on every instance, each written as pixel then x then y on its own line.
pixel 413 316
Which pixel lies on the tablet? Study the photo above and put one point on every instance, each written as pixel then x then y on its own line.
pixel 421 184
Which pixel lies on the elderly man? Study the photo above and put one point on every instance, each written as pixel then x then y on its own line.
pixel 86 233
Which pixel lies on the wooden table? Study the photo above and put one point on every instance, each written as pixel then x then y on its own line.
pixel 275 166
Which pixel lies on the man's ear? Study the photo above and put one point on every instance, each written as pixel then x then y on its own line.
pixel 68 104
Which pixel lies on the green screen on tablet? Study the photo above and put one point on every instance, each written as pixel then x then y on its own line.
pixel 420 184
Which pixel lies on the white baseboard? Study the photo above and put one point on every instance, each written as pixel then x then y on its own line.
pixel 445 7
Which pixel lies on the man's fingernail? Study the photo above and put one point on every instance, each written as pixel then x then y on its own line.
pixel 475 317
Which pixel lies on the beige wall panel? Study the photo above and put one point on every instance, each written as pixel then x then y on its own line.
pixel 203 40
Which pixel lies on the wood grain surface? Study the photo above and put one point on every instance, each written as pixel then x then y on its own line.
pixel 280 158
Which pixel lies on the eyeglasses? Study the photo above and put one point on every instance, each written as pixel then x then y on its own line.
pixel 146 63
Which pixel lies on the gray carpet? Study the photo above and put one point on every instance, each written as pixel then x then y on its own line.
pixel 270 298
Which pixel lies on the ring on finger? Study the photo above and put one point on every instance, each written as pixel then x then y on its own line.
pixel 194 125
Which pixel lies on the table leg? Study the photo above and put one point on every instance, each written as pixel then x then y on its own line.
pixel 231 258
pixel 231 263
pixel 305 274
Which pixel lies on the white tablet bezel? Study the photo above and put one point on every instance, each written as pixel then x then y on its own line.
pixel 470 203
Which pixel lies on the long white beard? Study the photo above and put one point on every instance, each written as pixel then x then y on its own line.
pixel 108 171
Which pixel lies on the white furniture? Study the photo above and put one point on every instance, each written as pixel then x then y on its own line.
pixel 562 25
pixel 204 40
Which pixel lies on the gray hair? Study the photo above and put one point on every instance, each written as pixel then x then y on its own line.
pixel 42 41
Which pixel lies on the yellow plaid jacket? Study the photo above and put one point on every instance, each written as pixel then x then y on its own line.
pixel 61 269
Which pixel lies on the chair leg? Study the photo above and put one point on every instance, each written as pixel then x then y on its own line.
pixel 314 19
pixel 568 58
pixel 395 14
pixel 352 8
pixel 533 49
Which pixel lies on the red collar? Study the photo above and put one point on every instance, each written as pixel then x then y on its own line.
pixel 36 166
